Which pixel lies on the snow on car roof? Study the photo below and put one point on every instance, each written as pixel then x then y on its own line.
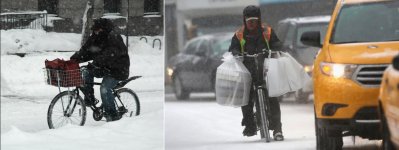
pixel 311 19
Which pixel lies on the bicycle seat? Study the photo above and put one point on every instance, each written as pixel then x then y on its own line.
pixel 124 82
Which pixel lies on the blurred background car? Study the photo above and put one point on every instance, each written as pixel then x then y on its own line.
pixel 194 68
pixel 289 31
pixel 389 104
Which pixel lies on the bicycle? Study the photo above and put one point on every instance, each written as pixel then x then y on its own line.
pixel 69 107
pixel 262 104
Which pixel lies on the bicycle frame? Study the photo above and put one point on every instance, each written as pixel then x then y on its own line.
pixel 262 102
pixel 93 107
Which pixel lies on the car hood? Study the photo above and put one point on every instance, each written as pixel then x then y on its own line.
pixel 363 53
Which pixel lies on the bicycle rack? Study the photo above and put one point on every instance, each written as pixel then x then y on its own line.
pixel 146 40
pixel 160 43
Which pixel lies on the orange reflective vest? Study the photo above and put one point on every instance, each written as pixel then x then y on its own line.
pixel 240 36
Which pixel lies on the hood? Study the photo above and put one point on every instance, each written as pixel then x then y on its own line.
pixel 364 53
pixel 252 11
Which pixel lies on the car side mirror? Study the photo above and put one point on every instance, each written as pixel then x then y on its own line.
pixel 395 62
pixel 311 38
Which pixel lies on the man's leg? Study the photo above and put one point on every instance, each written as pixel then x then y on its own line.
pixel 275 122
pixel 87 89
pixel 108 98
pixel 248 119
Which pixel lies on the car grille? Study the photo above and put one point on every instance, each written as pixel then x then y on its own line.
pixel 369 75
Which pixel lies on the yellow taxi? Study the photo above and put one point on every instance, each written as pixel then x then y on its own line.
pixel 361 40
pixel 389 106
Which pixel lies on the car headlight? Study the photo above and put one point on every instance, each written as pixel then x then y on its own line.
pixel 169 71
pixel 308 68
pixel 338 70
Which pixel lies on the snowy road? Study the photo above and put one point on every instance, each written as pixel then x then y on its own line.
pixel 201 124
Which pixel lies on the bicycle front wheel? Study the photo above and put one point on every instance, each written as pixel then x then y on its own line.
pixel 66 108
pixel 128 102
pixel 262 113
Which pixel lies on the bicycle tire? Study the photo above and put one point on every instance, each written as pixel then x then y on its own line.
pixel 262 111
pixel 132 107
pixel 76 101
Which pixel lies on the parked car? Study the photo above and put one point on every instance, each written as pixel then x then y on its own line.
pixel 389 106
pixel 361 40
pixel 194 68
pixel 289 31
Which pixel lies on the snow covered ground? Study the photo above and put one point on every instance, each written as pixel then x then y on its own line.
pixel 25 97
pixel 201 124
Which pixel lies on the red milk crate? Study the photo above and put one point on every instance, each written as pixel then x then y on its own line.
pixel 63 73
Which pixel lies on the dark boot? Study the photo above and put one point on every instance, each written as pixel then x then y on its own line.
pixel 250 131
pixel 278 135
pixel 113 117
pixel 250 127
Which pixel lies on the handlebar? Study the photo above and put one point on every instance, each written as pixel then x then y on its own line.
pixel 263 52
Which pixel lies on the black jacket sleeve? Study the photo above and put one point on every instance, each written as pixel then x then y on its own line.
pixel 275 43
pixel 235 47
pixel 83 54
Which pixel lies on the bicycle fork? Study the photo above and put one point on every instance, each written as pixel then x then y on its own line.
pixel 263 113
pixel 68 111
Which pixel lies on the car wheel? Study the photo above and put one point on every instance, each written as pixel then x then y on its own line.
pixel 302 96
pixel 386 136
pixel 179 90
pixel 324 141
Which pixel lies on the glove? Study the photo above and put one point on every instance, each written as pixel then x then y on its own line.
pixel 97 72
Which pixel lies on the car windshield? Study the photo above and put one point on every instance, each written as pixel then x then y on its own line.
pixel 322 28
pixel 367 22
pixel 220 46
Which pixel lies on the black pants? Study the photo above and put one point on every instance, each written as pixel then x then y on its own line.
pixel 248 112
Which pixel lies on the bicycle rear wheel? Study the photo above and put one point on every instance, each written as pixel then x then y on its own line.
pixel 262 113
pixel 128 102
pixel 66 108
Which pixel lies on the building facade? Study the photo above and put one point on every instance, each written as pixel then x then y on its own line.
pixel 145 16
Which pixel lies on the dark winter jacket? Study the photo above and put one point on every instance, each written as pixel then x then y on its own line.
pixel 107 51
pixel 255 44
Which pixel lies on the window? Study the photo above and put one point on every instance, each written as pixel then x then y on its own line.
pixel 203 48
pixel 191 47
pixel 289 37
pixel 368 22
pixel 51 6
pixel 112 6
pixel 220 46
pixel 151 6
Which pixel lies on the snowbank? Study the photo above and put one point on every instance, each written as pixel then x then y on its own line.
pixel 126 134
pixel 28 40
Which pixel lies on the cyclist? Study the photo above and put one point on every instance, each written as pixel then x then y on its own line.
pixel 251 38
pixel 110 62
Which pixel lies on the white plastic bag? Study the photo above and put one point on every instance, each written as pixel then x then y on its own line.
pixel 297 77
pixel 284 74
pixel 276 76
pixel 233 82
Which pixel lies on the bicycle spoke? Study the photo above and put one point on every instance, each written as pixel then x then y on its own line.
pixel 59 117
pixel 62 122
pixel 77 119
pixel 58 113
